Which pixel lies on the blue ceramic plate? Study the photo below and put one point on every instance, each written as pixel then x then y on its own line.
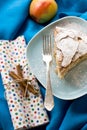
pixel 74 84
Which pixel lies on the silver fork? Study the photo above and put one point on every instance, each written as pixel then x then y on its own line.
pixel 47 58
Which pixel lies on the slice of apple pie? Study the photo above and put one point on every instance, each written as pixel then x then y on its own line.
pixel 70 48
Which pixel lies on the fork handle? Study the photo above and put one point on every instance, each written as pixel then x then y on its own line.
pixel 49 100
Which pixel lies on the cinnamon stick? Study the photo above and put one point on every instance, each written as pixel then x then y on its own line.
pixel 16 78
pixel 19 71
pixel 29 87
pixel 24 85
pixel 32 89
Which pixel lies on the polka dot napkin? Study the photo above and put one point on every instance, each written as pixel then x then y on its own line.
pixel 25 113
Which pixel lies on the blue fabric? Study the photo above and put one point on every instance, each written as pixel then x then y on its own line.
pixel 15 21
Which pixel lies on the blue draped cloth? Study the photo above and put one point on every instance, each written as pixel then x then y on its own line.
pixel 15 21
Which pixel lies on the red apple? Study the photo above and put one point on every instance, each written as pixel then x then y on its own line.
pixel 43 10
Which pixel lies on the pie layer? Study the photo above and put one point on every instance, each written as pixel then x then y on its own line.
pixel 70 48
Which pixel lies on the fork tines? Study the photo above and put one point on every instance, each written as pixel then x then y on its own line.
pixel 47 47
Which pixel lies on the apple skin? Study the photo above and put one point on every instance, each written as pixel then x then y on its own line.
pixel 43 10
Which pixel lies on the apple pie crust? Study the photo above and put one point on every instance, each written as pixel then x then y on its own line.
pixel 70 48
